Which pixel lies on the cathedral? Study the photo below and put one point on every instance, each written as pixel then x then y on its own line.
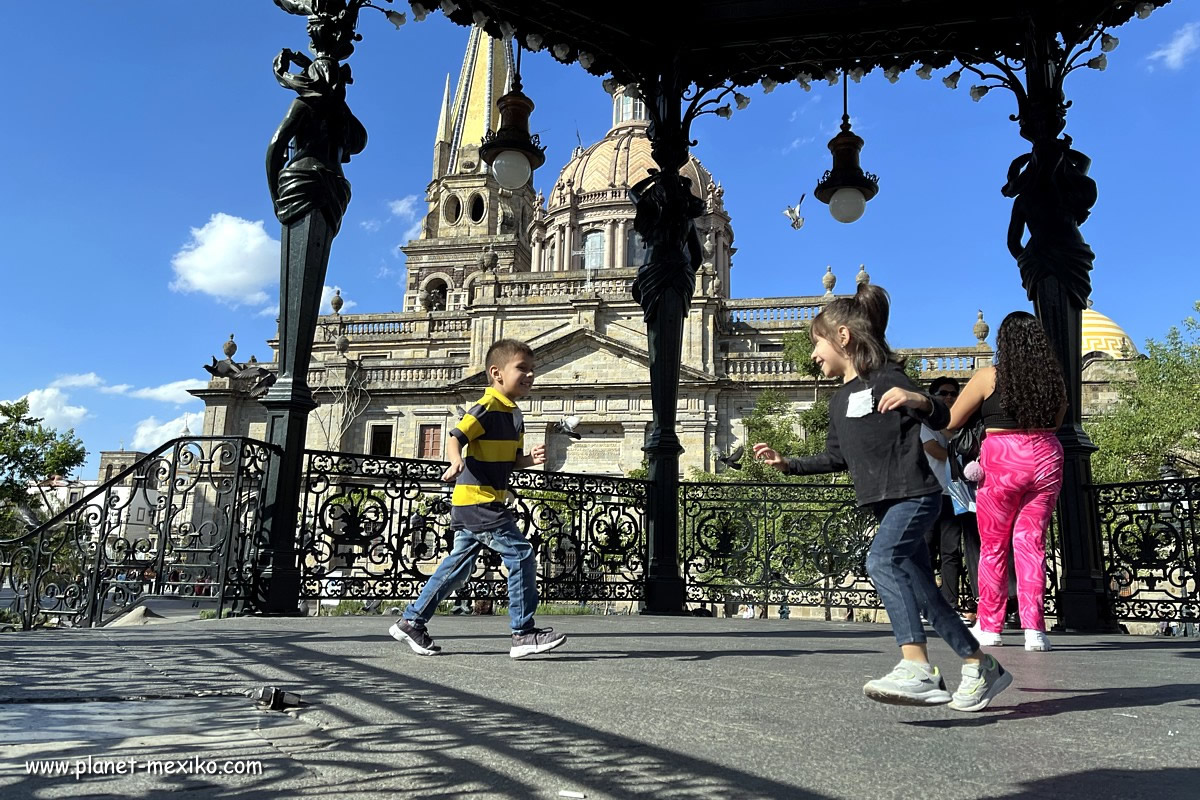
pixel 556 271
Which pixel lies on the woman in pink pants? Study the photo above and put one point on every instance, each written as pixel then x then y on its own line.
pixel 1023 399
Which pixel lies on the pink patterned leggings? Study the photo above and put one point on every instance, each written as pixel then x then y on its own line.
pixel 1022 478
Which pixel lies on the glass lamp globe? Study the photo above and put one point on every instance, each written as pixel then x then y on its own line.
pixel 512 169
pixel 847 204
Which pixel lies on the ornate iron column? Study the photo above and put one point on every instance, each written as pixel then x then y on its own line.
pixel 304 174
pixel 1052 196
pixel 664 285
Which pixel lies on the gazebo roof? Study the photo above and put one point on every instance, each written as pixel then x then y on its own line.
pixel 747 40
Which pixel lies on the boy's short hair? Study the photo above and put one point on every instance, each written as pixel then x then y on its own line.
pixel 505 350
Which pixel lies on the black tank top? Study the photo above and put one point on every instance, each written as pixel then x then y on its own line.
pixel 994 415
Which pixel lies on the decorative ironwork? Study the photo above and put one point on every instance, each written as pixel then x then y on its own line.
pixel 799 544
pixel 1151 548
pixel 376 528
pixel 182 521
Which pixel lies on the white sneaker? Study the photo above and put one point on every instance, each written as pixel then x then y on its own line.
pixel 1036 640
pixel 986 638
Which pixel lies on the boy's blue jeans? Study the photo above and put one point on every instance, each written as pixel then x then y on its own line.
pixel 517 554
pixel 898 564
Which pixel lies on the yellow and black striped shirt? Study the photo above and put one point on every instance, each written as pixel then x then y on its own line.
pixel 493 432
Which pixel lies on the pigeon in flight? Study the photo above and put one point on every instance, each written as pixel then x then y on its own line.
pixel 734 459
pixel 793 213
pixel 567 426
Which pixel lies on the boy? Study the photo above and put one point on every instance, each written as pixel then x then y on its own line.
pixel 495 432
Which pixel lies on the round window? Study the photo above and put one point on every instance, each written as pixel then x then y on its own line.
pixel 477 209
pixel 452 210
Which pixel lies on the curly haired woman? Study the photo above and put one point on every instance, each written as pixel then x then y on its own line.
pixel 1023 399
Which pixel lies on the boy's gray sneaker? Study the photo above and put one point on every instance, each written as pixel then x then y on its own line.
pixel 909 684
pixel 980 683
pixel 416 638
pixel 535 640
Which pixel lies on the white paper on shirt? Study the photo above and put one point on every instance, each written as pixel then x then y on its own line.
pixel 859 404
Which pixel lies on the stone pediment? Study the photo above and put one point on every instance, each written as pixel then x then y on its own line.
pixel 585 357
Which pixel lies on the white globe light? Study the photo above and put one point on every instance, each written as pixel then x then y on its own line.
pixel 511 169
pixel 847 204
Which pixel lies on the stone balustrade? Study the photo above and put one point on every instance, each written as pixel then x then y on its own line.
pixel 780 312
pixel 394 376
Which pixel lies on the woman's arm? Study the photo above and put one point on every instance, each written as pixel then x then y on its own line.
pixel 981 385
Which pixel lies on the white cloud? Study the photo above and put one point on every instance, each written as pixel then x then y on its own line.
pixel 800 110
pixel 371 225
pixel 1175 53
pixel 797 143
pixel 405 207
pixel 414 231
pixel 86 379
pixel 269 311
pixel 150 433
pixel 118 388
pixel 327 295
pixel 51 406
pixel 173 392
pixel 231 259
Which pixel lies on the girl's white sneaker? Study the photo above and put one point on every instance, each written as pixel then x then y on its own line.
pixel 986 638
pixel 1036 640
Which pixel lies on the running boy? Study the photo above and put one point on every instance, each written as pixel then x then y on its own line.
pixel 875 434
pixel 494 433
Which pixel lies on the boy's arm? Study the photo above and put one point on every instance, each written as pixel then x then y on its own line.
pixel 454 456
pixel 532 458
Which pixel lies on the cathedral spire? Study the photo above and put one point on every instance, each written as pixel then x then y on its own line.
pixel 485 74
pixel 441 145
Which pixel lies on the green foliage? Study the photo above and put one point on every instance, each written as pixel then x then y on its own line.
pixel 797 348
pixel 642 472
pixel 1156 419
pixel 774 422
pixel 565 609
pixel 30 452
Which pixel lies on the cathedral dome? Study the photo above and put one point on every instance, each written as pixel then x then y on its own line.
pixel 1102 335
pixel 607 169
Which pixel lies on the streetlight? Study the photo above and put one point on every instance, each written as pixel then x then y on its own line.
pixel 511 152
pixel 846 188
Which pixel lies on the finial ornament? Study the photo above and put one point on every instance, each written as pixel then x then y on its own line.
pixel 862 276
pixel 981 330
pixel 829 281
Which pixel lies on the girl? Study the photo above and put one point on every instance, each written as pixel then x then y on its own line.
pixel 875 433
pixel 1023 400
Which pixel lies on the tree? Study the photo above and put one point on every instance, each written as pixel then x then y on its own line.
pixel 1155 421
pixel 31 454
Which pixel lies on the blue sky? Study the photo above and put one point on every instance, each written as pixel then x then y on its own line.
pixel 137 233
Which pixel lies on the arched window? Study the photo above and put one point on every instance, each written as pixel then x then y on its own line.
pixel 593 250
pixel 635 249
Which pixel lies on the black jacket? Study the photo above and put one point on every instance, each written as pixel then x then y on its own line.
pixel 882 452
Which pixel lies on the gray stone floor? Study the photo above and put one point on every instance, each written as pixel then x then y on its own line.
pixel 631 707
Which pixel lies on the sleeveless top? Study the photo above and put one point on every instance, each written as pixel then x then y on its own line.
pixel 994 415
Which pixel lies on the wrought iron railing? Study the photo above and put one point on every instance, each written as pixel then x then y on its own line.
pixel 376 528
pixel 799 544
pixel 181 521
pixel 1151 548
pixel 184 522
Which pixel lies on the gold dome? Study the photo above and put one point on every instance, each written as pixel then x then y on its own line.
pixel 1102 335
pixel 607 169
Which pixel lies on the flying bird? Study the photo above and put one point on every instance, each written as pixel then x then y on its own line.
pixel 567 426
pixel 734 459
pixel 793 213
